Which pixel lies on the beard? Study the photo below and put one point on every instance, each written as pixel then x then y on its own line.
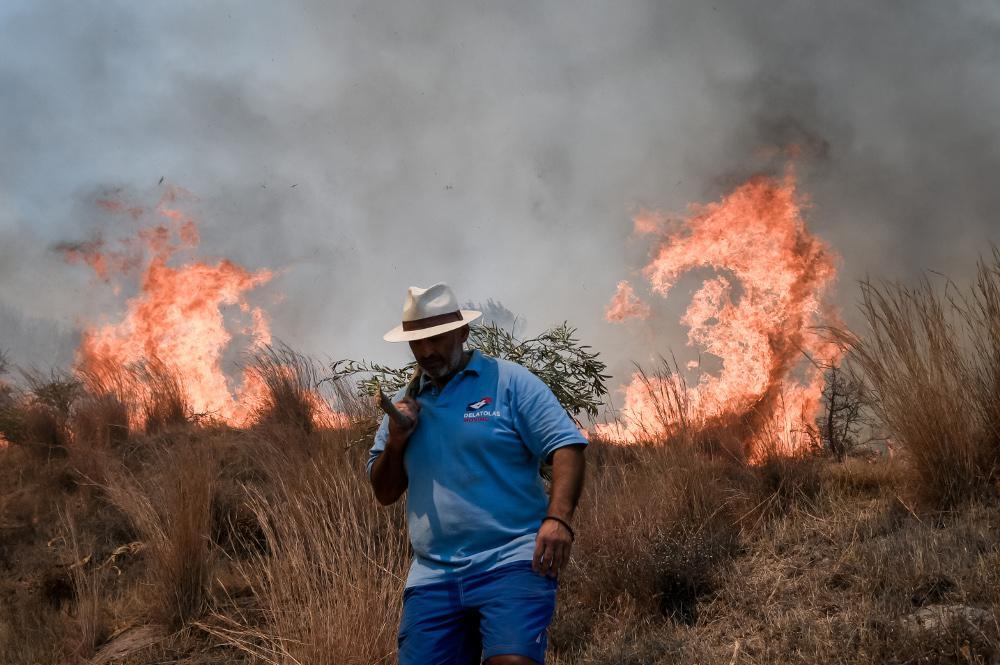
pixel 438 367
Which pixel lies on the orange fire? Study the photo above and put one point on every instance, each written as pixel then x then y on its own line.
pixel 755 314
pixel 626 305
pixel 177 317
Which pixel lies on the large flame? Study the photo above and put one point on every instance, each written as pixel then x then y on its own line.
pixel 755 314
pixel 626 305
pixel 177 319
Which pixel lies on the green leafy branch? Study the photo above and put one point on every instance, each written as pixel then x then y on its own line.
pixel 571 370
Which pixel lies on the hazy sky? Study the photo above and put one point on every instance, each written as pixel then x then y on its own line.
pixel 497 145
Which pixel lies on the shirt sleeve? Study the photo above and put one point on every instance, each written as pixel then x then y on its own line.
pixel 542 422
pixel 381 436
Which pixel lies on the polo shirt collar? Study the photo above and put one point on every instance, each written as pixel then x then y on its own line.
pixel 474 366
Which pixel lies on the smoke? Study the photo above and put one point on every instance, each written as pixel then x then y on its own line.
pixel 36 343
pixel 359 148
pixel 496 314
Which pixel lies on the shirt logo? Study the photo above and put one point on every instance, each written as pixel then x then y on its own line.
pixel 475 406
pixel 473 414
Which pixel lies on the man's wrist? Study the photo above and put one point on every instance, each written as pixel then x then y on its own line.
pixel 562 512
pixel 565 524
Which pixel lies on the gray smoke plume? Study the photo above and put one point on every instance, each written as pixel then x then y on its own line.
pixel 363 147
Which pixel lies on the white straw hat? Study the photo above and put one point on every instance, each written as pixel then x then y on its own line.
pixel 428 312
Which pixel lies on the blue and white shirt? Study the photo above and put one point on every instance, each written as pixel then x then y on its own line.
pixel 475 499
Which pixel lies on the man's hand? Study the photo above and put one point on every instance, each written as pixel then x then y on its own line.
pixel 389 479
pixel 399 435
pixel 552 546
pixel 554 540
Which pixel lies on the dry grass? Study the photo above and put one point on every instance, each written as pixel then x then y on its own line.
pixel 254 549
pixel 163 403
pixel 170 508
pixel 289 379
pixel 329 580
pixel 743 433
pixel 189 542
pixel 836 578
pixel 89 612
pixel 932 361
pixel 659 552
pixel 104 415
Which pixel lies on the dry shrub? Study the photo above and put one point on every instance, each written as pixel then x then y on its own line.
pixel 11 421
pixel 788 481
pixel 101 421
pixel 44 431
pixel 56 389
pixel 863 477
pixel 103 416
pixel 31 633
pixel 932 361
pixel 839 582
pixel 359 409
pixel 243 470
pixel 656 525
pixel 163 402
pixel 330 580
pixel 39 618
pixel 288 379
pixel 38 416
pixel 119 399
pixel 89 609
pixel 918 563
pixel 627 635
pixel 171 511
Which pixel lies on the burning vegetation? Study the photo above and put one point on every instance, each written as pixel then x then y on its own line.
pixel 185 316
pixel 756 313
pixel 154 510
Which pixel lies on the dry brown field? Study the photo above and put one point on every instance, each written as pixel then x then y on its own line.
pixel 188 541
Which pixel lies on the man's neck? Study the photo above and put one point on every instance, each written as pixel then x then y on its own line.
pixel 443 381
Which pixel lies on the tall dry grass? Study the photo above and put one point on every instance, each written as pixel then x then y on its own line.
pixel 160 393
pixel 36 415
pixel 265 545
pixel 328 585
pixel 105 414
pixel 144 397
pixel 289 380
pixel 170 507
pixel 657 526
pixel 672 419
pixel 931 357
pixel 89 610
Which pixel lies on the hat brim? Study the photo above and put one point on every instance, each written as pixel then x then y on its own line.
pixel 397 334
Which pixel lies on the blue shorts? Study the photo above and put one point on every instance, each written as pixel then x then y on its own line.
pixel 506 610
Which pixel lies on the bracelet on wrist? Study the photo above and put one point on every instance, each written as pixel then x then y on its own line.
pixel 572 534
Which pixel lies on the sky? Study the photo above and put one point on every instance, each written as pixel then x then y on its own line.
pixel 361 147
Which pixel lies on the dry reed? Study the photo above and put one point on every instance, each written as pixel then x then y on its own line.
pixel 171 510
pixel 932 360
pixel 289 380
pixel 329 582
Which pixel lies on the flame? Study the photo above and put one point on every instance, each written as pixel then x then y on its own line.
pixel 177 317
pixel 626 305
pixel 755 314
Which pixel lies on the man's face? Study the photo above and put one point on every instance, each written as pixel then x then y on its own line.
pixel 440 355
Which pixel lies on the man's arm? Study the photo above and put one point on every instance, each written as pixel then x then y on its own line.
pixel 388 476
pixel 554 541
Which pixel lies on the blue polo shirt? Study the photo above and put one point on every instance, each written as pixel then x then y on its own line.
pixel 475 499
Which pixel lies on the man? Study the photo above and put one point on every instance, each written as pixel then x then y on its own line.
pixel 488 544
